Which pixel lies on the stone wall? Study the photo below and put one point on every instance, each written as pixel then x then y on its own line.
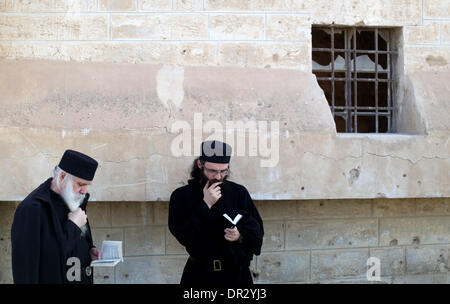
pixel 110 77
pixel 103 76
pixel 306 241
pixel 211 32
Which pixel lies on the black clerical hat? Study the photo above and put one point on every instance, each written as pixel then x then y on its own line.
pixel 215 151
pixel 78 164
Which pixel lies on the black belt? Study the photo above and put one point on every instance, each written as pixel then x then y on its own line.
pixel 210 264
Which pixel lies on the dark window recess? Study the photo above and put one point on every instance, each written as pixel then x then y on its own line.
pixel 353 66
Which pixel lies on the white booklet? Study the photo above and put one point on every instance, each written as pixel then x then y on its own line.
pixel 235 220
pixel 111 254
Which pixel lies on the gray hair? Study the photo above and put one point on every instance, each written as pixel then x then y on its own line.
pixel 57 172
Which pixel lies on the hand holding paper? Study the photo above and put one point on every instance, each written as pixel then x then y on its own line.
pixel 232 234
pixel 235 220
pixel 111 254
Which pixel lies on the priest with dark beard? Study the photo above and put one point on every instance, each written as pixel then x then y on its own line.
pixel 50 235
pixel 220 249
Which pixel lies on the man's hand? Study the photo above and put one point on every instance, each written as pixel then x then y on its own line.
pixel 79 217
pixel 211 194
pixel 232 234
pixel 96 254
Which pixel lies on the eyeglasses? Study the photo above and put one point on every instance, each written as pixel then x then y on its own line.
pixel 214 172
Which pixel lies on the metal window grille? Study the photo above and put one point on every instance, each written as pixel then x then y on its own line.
pixel 354 68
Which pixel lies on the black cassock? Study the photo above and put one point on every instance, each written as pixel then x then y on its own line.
pixel 43 239
pixel 214 260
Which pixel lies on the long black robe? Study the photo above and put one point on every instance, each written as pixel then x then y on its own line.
pixel 201 231
pixel 43 240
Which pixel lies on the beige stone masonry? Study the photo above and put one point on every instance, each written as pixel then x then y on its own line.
pixel 54 27
pixel 236 27
pixel 160 27
pixel 436 9
pixel 422 34
pixel 119 6
pixel 155 5
pixel 56 6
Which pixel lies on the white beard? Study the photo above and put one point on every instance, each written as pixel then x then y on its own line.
pixel 73 200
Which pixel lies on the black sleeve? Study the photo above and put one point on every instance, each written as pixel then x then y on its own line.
pixel 251 226
pixel 89 232
pixel 89 237
pixel 25 242
pixel 72 234
pixel 188 221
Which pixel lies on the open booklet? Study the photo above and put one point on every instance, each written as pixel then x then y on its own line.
pixel 111 254
pixel 233 221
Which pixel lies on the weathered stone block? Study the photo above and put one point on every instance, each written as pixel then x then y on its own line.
pixel 155 5
pixel 288 27
pixel 5 257
pixel 250 5
pixel 106 234
pixel 144 240
pixel 160 27
pixel 99 214
pixel 348 176
pixel 172 244
pixel 7 210
pixel 129 214
pixel 427 259
pixel 410 231
pixel 124 52
pixel 55 6
pixel 151 270
pixel 414 181
pixel 81 6
pixel 54 27
pixel 159 211
pixel 427 33
pixel 336 264
pixel 393 280
pixel 334 208
pixel 118 52
pixel 380 12
pixel 6 5
pixel 287 56
pixel 187 5
pixel 273 236
pixel 283 267
pixel 445 32
pixel 240 54
pixel 332 233
pixel 350 281
pixel 437 278
pixel 437 122
pixel 432 206
pixel 197 53
pixel 118 189
pixel 29 182
pixel 393 207
pixel 161 169
pixel 436 9
pixel 392 260
pixel 104 275
pixel 6 276
pixel 5 247
pixel 277 210
pixel 422 58
pixel 236 27
pixel 119 6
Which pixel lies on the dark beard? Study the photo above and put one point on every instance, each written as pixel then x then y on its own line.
pixel 203 180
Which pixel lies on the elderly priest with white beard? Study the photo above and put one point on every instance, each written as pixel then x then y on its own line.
pixel 50 235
